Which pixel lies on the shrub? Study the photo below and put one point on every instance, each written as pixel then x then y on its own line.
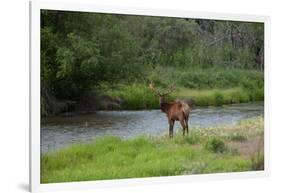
pixel 215 145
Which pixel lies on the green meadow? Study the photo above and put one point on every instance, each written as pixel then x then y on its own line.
pixel 205 150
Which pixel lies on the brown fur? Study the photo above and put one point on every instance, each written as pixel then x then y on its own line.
pixel 175 111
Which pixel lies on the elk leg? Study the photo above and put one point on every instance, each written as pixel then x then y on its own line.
pixel 183 124
pixel 171 123
pixel 186 121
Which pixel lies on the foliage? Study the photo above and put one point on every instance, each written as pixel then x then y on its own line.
pixel 215 145
pixel 78 55
pixel 80 51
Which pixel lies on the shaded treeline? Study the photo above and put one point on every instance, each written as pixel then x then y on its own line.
pixel 80 52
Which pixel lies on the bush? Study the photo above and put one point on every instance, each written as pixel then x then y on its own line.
pixel 215 145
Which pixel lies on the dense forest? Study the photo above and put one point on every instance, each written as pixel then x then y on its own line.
pixel 95 61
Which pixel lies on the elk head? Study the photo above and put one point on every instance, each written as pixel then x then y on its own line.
pixel 162 94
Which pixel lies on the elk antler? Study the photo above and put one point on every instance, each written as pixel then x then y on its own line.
pixel 152 88
pixel 169 90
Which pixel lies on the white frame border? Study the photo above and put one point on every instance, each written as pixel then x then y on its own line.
pixel 34 99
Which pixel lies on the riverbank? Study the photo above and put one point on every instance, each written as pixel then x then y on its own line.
pixel 209 150
pixel 138 97
pixel 198 86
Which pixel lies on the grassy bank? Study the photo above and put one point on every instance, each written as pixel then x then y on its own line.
pixel 137 96
pixel 204 87
pixel 217 97
pixel 209 150
pixel 212 86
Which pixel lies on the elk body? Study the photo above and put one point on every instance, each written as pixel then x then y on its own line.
pixel 175 111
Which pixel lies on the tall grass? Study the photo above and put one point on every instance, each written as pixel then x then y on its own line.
pixel 205 87
pixel 215 97
pixel 138 96
pixel 134 96
pixel 203 151
pixel 206 78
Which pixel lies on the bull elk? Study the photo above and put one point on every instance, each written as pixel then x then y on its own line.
pixel 175 111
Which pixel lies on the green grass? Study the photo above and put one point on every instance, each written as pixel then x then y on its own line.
pixel 205 87
pixel 138 96
pixel 215 97
pixel 203 151
pixel 206 78
pixel 135 96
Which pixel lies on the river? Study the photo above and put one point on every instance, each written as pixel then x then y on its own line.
pixel 61 131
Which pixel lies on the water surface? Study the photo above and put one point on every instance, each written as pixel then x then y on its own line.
pixel 61 131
